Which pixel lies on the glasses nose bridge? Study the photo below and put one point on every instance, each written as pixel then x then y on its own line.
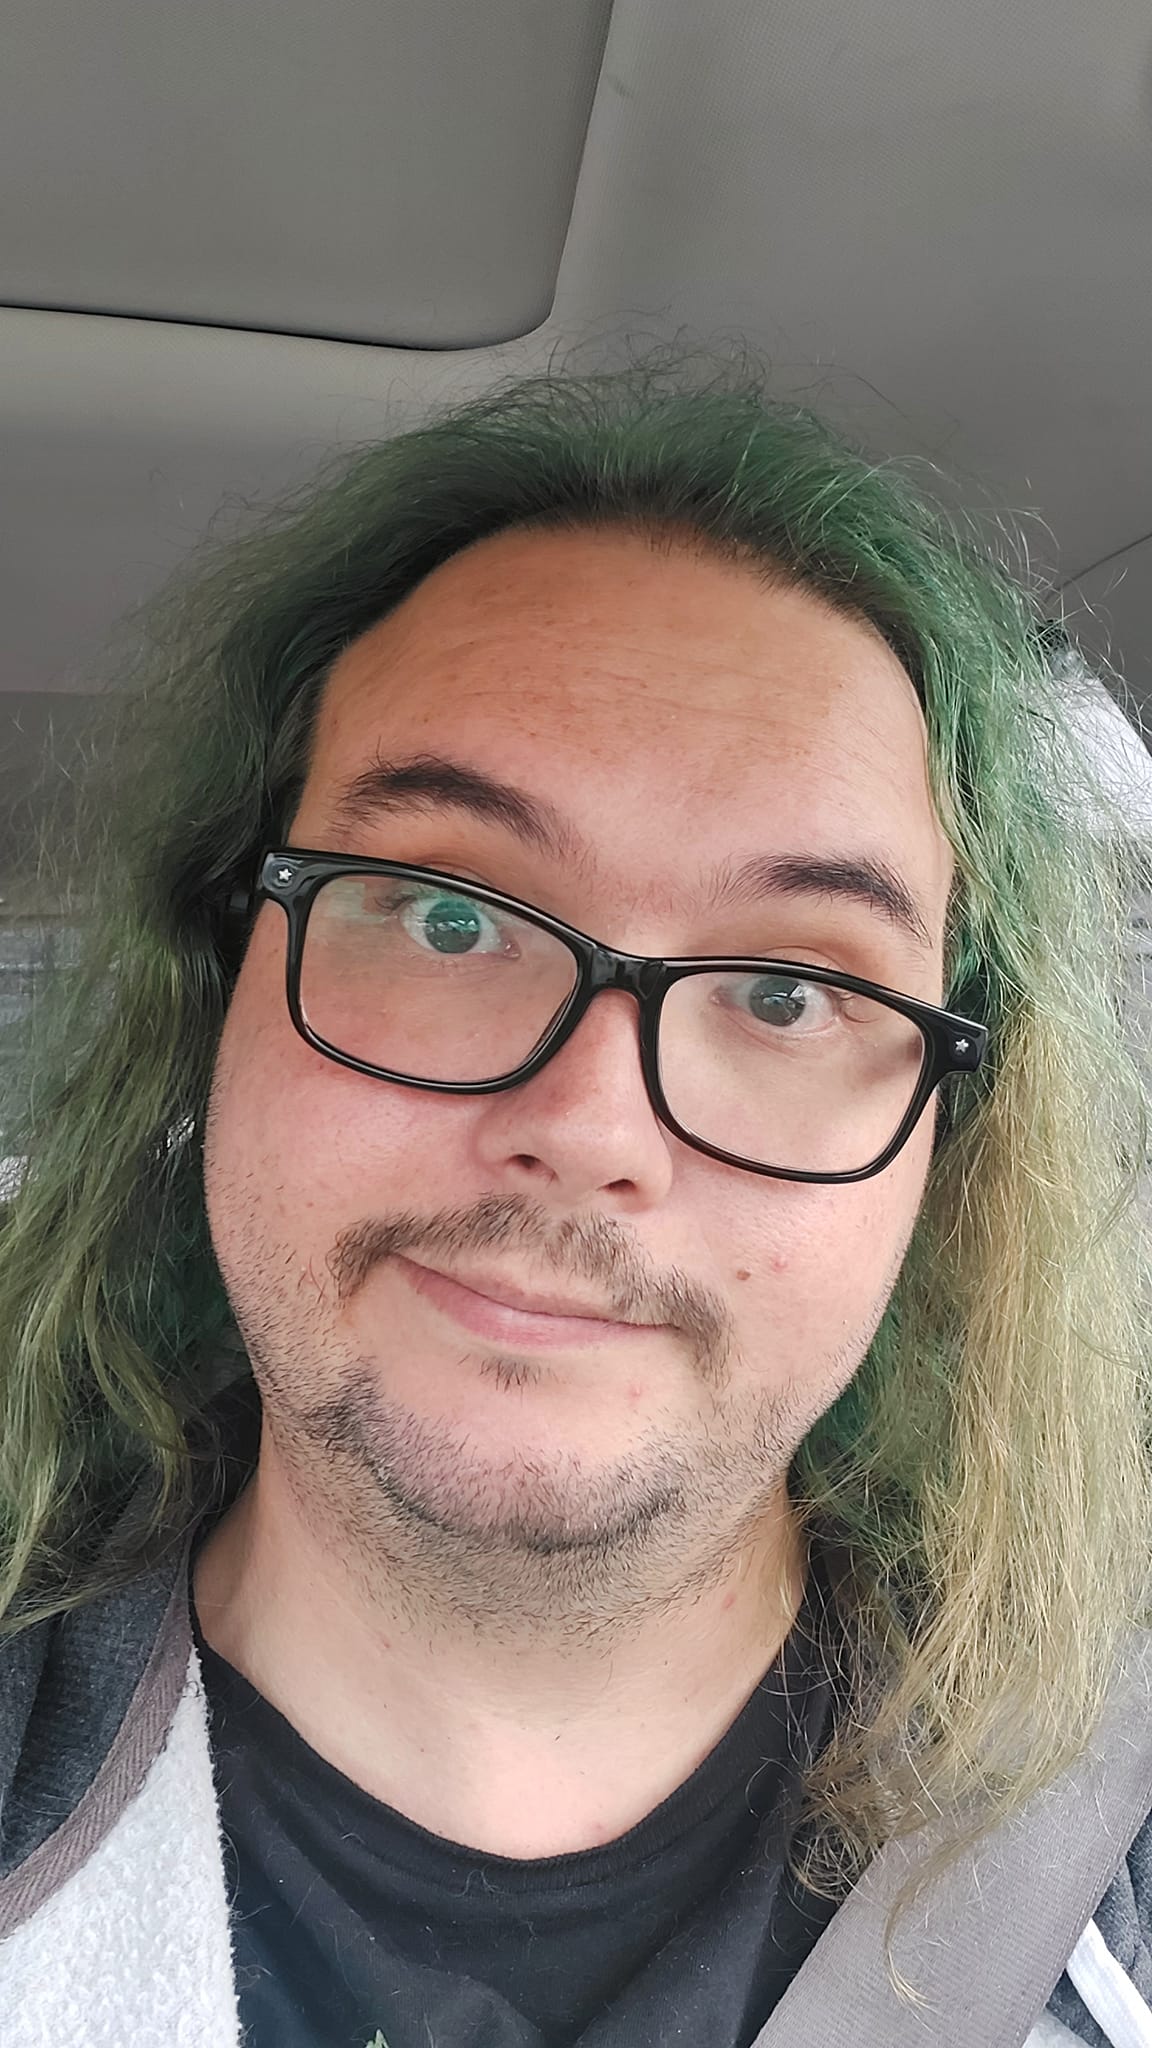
pixel 635 974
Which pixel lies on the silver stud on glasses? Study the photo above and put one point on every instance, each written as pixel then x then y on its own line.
pixel 284 874
pixel 962 1044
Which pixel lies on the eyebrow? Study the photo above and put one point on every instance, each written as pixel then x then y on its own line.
pixel 861 879
pixel 429 782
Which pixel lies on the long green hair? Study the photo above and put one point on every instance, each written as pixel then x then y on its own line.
pixel 984 1479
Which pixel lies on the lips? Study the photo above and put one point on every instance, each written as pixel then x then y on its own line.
pixel 506 1295
pixel 496 1308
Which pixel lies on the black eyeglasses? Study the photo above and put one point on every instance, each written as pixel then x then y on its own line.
pixel 433 982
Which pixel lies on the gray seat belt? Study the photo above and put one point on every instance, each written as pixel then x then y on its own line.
pixel 988 1941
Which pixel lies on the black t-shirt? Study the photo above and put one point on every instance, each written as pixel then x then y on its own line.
pixel 349 1920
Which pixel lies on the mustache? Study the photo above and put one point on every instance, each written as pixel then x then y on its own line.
pixel 592 1248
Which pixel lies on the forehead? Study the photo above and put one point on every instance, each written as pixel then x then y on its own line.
pixel 653 694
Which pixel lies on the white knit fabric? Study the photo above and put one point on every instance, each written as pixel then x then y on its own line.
pixel 134 1950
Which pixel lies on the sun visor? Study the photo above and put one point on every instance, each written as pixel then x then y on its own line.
pixel 393 171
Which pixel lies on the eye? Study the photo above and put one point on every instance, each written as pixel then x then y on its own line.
pixel 786 1003
pixel 447 923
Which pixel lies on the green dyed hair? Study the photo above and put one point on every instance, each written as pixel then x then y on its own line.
pixel 984 1478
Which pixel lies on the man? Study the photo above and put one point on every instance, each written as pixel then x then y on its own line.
pixel 574 1431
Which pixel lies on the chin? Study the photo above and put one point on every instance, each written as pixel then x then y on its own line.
pixel 483 1477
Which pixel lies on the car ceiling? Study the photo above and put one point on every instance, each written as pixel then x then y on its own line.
pixel 239 236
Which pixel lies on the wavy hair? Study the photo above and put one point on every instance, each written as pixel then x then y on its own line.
pixel 984 1479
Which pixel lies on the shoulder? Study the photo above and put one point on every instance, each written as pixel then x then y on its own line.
pixel 1124 1917
pixel 66 1684
pixel 22 1661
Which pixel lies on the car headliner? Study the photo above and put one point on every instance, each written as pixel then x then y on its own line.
pixel 239 238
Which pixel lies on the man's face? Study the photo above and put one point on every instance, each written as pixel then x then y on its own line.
pixel 672 719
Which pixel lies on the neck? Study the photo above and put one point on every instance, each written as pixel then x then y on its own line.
pixel 520 1741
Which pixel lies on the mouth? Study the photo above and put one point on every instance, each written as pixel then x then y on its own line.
pixel 495 1308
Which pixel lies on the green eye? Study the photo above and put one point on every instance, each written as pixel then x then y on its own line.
pixel 449 925
pixel 453 925
pixel 775 999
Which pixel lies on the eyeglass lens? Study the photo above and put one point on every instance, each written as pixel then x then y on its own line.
pixel 432 983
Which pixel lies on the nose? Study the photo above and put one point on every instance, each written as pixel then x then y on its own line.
pixel 583 1126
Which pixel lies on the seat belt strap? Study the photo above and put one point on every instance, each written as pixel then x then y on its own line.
pixel 988 1940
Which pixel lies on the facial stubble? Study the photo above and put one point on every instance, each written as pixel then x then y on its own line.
pixel 525 1540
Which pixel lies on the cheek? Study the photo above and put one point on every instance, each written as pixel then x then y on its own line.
pixel 810 1267
pixel 311 1143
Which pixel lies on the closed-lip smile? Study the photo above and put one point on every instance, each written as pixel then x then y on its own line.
pixel 497 1308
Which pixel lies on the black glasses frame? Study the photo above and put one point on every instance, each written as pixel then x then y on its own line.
pixel 292 876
